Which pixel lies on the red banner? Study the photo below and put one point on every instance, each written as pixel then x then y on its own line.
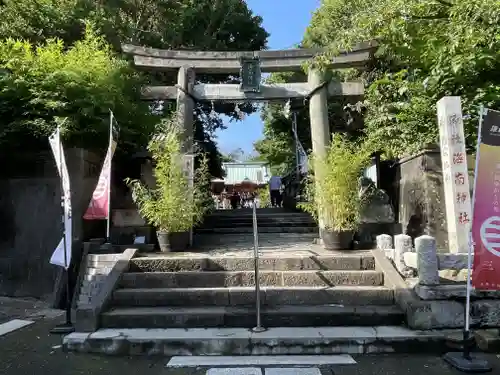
pixel 486 209
pixel 99 204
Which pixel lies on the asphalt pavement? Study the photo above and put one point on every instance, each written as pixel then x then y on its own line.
pixel 32 350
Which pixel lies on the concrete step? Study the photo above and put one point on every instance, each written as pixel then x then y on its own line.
pixel 270 211
pixel 214 279
pixel 195 262
pixel 260 224
pixel 273 229
pixel 244 317
pixel 282 239
pixel 260 219
pixel 245 296
pixel 286 340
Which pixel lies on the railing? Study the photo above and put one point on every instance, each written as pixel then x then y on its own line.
pixel 258 327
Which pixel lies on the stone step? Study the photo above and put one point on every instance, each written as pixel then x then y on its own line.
pixel 245 262
pixel 286 340
pixel 244 317
pixel 214 279
pixel 272 229
pixel 260 218
pixel 260 224
pixel 260 211
pixel 264 238
pixel 245 296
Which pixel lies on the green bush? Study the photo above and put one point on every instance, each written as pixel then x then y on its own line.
pixel 264 197
pixel 174 204
pixel 333 189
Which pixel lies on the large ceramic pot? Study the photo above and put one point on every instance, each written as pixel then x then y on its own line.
pixel 179 241
pixel 163 241
pixel 337 240
pixel 176 241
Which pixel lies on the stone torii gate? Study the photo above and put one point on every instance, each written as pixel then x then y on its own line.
pixel 249 65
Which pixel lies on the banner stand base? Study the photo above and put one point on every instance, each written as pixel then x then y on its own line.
pixel 63 329
pixel 468 364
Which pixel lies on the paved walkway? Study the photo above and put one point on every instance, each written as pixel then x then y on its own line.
pixel 32 350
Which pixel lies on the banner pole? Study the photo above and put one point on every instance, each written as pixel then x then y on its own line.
pixel 464 361
pixel 67 327
pixel 471 244
pixel 108 222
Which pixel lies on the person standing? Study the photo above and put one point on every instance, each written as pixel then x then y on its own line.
pixel 274 190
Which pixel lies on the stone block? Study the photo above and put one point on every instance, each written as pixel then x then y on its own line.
pixel 402 245
pixel 488 340
pixel 486 313
pixel 384 241
pixel 427 263
pixel 425 315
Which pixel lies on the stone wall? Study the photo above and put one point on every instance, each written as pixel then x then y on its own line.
pixel 96 268
pixel 421 196
pixel 30 221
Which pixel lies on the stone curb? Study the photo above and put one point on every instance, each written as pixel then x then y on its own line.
pixel 276 341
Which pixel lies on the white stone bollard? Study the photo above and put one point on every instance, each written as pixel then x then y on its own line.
pixel 402 245
pixel 384 242
pixel 427 261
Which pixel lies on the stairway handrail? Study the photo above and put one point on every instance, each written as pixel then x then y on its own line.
pixel 258 327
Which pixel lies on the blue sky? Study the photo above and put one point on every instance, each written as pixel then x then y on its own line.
pixel 286 21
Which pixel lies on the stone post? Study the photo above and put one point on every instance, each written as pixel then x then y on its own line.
pixel 455 173
pixel 427 261
pixel 402 245
pixel 185 106
pixel 320 128
pixel 384 242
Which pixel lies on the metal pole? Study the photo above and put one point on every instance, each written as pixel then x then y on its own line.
pixel 108 222
pixel 258 327
pixel 66 327
pixel 467 336
pixel 297 152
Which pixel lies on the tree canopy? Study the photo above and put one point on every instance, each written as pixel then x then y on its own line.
pixel 80 77
pixel 426 49
pixel 43 84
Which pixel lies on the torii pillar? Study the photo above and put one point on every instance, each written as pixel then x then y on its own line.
pixel 185 106
pixel 320 128
pixel 185 117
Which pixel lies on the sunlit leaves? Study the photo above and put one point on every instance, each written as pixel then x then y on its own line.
pixel 443 47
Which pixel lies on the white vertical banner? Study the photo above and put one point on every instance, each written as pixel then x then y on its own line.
pixel 455 173
pixel 62 254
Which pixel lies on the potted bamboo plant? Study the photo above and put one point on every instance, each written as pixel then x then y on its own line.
pixel 333 192
pixel 175 204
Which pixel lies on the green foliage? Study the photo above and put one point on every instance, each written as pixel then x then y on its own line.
pixel 175 204
pixel 81 83
pixel 333 190
pixel 168 24
pixel 264 197
pixel 427 49
pixel 197 24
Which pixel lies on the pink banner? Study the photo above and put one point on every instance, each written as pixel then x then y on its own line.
pixel 486 210
pixel 99 204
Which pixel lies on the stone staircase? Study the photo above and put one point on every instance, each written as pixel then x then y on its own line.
pixel 301 284
pixel 270 220
pixel 218 291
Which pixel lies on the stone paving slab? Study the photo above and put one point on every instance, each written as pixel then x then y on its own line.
pixel 293 371
pixel 260 360
pixel 235 371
